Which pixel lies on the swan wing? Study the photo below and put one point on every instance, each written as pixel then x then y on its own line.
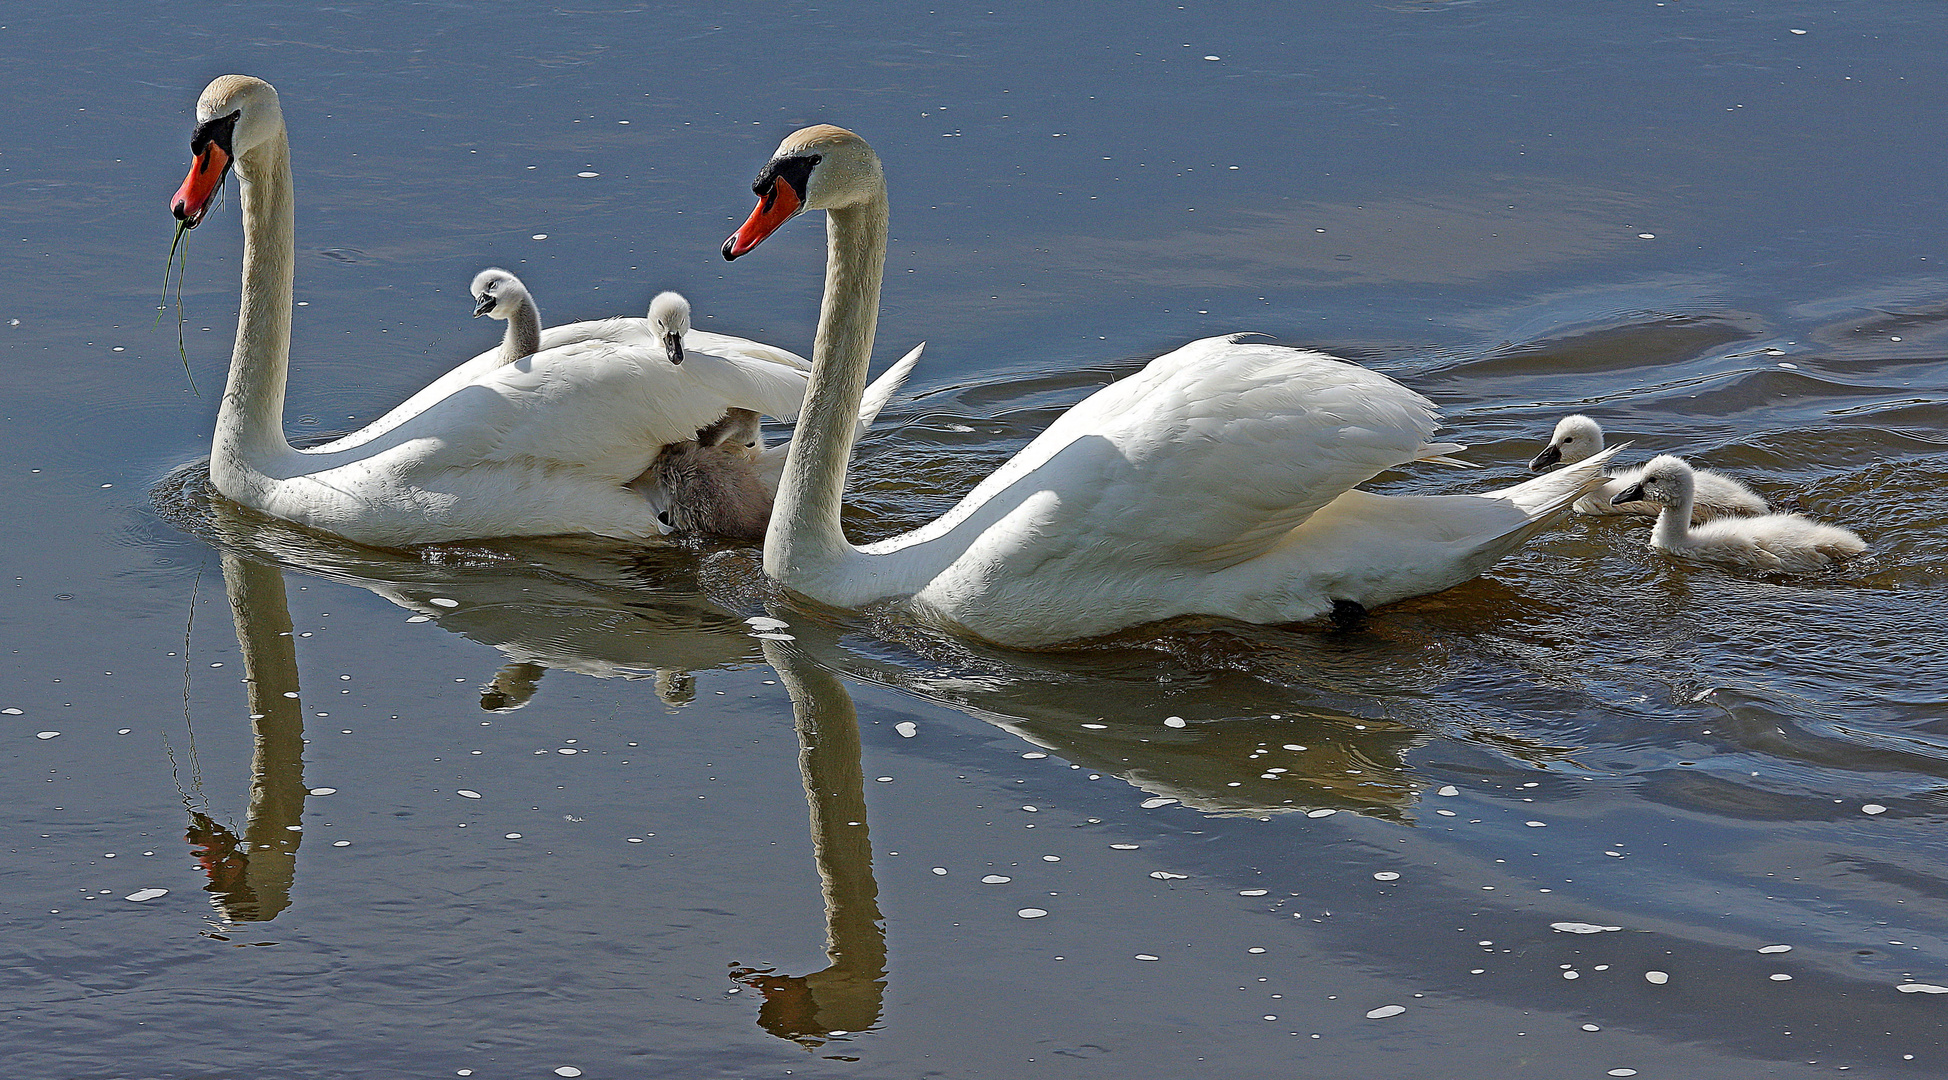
pixel 1213 452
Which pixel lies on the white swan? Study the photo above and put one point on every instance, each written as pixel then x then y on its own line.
pixel 500 295
pixel 1785 542
pixel 1577 437
pixel 545 445
pixel 722 482
pixel 1217 481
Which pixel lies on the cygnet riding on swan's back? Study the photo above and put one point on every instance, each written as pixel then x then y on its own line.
pixel 1219 480
pixel 545 445
pixel 721 483
pixel 500 295
pixel 1577 437
pixel 1786 542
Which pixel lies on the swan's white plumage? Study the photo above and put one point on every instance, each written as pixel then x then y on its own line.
pixel 1577 437
pixel 1783 542
pixel 544 445
pixel 1216 481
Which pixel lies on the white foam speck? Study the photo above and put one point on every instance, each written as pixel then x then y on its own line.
pixel 1385 1011
pixel 1152 804
pixel 467 794
pixel 567 750
pixel 588 175
pixel 420 618
pixel 1220 58
pixel 1386 875
pixel 1536 824
pixel 1646 236
pixel 1921 988
pixel 1788 367
pixel 1122 847
pixel 1173 721
pixel 940 871
pixel 1780 976
pixel 1032 809
pixel 513 836
pixel 907 729
pixel 1144 956
pixel 775 637
pixel 1252 892
pixel 1621 1072
pixel 1031 913
pixel 996 879
pixel 1581 928
pixel 1657 978
pixel 1033 755
pixel 1572 975
pixel 1797 31
pixel 10 712
pixel 1165 875
pixel 540 236
pixel 1776 949
pixel 1293 746
pixel 47 734
pixel 1051 858
pixel 1591 1027
pixel 568 1070
pixel 1321 813
pixel 441 601
pixel 1254 949
pixel 1096 727
pixel 765 622
pixel 324 791
pixel 342 843
pixel 1449 790
pixel 1873 808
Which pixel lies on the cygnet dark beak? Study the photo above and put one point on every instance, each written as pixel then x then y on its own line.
pixel 1633 493
pixel 673 344
pixel 1549 456
pixel 486 305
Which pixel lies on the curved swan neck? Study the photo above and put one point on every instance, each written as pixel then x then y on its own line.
pixel 250 422
pixel 523 337
pixel 805 542
pixel 1674 519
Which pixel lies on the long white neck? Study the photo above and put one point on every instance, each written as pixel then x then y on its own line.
pixel 250 422
pixel 805 550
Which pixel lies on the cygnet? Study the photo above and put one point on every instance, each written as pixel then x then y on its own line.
pixel 500 295
pixel 1781 542
pixel 1577 437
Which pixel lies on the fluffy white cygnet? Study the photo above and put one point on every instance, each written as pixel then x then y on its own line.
pixel 1784 542
pixel 1577 437
pixel 500 295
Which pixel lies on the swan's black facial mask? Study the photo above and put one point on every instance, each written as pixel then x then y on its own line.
pixel 780 189
pixel 210 146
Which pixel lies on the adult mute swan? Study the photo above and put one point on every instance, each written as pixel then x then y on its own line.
pixel 1577 437
pixel 545 445
pixel 1784 542
pixel 1219 480
pixel 500 295
pixel 722 482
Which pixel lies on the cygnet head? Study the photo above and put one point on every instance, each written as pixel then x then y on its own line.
pixel 498 294
pixel 816 168
pixel 1666 481
pixel 669 316
pixel 1576 439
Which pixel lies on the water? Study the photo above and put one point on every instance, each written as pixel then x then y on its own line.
pixel 1709 230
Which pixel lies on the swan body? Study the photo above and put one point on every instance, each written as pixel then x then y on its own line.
pixel 1577 437
pixel 1782 542
pixel 541 446
pixel 1219 480
pixel 500 295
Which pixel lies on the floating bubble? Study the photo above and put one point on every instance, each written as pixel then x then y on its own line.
pixel 1657 978
pixel 1581 928
pixel 907 729
pixel 996 879
pixel 1385 1011
pixel 466 793
pixel 141 895
pixel 1032 913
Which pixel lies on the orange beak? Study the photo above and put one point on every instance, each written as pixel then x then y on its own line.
pixel 774 208
pixel 206 175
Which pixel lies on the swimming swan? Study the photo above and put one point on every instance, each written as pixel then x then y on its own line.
pixel 1577 437
pixel 1786 542
pixel 722 482
pixel 1217 481
pixel 545 445
pixel 500 295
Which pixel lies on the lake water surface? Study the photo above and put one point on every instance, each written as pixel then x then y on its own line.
pixel 512 810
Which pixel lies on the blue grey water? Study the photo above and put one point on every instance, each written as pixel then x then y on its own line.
pixel 525 810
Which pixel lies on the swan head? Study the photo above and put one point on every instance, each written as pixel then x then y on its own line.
pixel 816 168
pixel 1666 481
pixel 669 316
pixel 498 294
pixel 1576 439
pixel 235 115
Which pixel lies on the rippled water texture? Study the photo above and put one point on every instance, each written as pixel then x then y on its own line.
pixel 286 807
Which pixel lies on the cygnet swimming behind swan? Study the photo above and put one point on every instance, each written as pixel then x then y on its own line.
pixel 500 295
pixel 1578 437
pixel 1785 542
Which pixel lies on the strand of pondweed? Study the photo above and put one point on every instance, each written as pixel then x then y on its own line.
pixel 182 345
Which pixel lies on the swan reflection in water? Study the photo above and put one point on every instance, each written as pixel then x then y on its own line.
pixel 1186 718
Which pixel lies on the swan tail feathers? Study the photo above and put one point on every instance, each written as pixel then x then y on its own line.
pixel 883 388
pixel 1438 453
pixel 1544 496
